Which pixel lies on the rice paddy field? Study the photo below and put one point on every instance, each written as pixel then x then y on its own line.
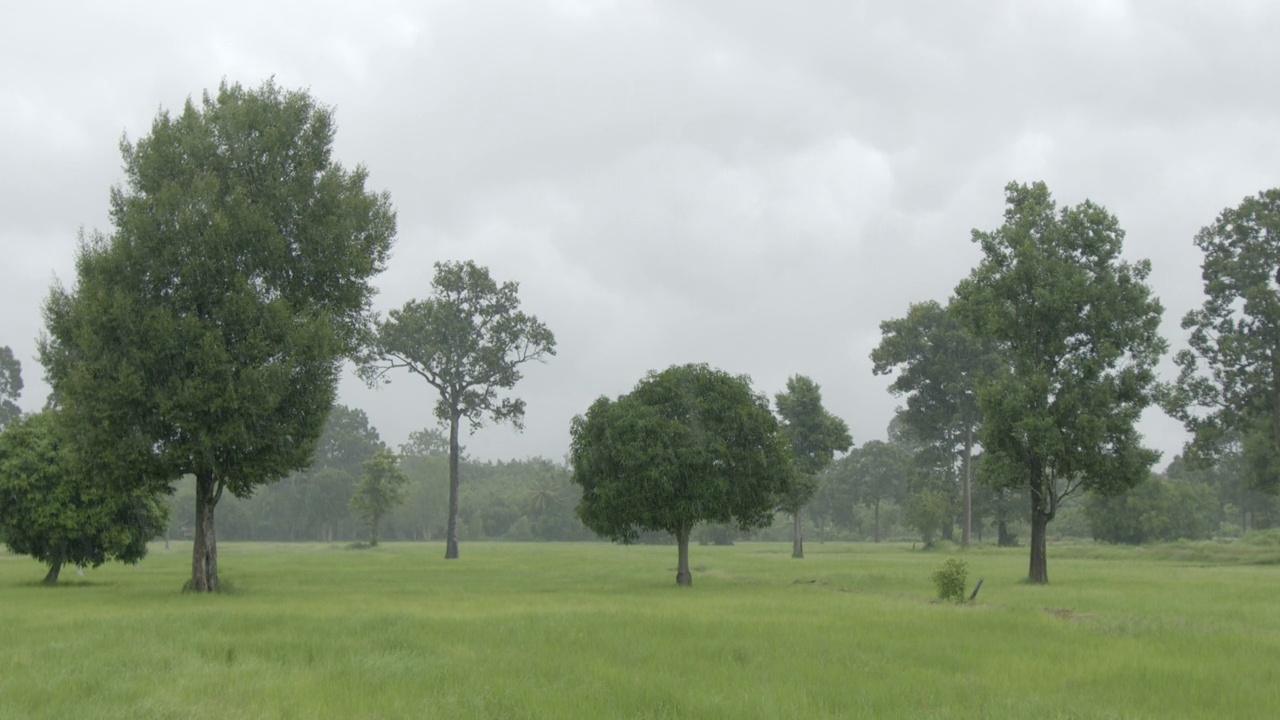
pixel 600 631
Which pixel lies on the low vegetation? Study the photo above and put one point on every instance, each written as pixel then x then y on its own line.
pixel 597 630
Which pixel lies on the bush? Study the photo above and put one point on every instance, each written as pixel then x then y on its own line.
pixel 950 579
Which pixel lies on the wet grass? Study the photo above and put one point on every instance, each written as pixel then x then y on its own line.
pixel 599 631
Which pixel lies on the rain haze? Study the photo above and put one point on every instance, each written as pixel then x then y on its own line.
pixel 752 185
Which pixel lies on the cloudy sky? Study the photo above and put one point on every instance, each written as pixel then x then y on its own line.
pixel 755 185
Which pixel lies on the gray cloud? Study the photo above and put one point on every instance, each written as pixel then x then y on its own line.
pixel 755 185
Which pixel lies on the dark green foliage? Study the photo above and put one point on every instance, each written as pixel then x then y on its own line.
pixel 1079 331
pixel 468 341
pixel 10 386
pixel 52 511
pixel 205 334
pixel 1228 390
pixel 1153 511
pixel 689 444
pixel 951 580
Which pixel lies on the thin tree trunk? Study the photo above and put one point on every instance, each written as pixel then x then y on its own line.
pixel 683 576
pixel 204 553
pixel 55 567
pixel 451 538
pixel 877 530
pixel 967 489
pixel 797 541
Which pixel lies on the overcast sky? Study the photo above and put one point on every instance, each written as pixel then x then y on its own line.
pixel 755 185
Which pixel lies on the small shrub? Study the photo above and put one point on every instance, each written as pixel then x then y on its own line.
pixel 950 579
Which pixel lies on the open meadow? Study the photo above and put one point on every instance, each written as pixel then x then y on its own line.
pixel 594 630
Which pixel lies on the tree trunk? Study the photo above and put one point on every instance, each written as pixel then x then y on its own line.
pixel 683 576
pixel 1002 533
pixel 967 489
pixel 877 530
pixel 1040 517
pixel 55 567
pixel 451 538
pixel 373 534
pixel 204 554
pixel 797 541
pixel 1039 573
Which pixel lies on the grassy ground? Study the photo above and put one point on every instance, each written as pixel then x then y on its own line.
pixel 600 631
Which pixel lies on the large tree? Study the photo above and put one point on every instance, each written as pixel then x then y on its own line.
pixel 468 341
pixel 51 510
pixel 1078 330
pixel 689 444
pixel 815 435
pixel 10 386
pixel 939 365
pixel 206 332
pixel 1235 338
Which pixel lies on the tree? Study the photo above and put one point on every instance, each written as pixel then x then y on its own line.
pixel 688 444
pixel 939 366
pixel 815 436
pixel 427 442
pixel 346 444
pixel 381 488
pixel 1155 510
pixel 10 386
pixel 468 341
pixel 1079 331
pixel 206 333
pixel 51 511
pixel 1236 335
pixel 874 473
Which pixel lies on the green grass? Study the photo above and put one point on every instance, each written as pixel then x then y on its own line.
pixel 600 631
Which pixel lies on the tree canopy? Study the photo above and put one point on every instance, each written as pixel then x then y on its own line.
pixel 10 386
pixel 468 341
pixel 51 510
pixel 1228 388
pixel 206 332
pixel 380 490
pixel 939 365
pixel 814 435
pixel 1079 331
pixel 687 445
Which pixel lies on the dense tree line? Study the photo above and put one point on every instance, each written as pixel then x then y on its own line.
pixel 528 499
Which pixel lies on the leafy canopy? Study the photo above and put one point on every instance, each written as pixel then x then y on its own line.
pixel 205 334
pixel 10 386
pixel 1080 332
pixel 814 435
pixel 1229 381
pixel 468 341
pixel 688 444
pixel 51 510
pixel 380 490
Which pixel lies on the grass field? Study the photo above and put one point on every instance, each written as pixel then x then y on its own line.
pixel 601 631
